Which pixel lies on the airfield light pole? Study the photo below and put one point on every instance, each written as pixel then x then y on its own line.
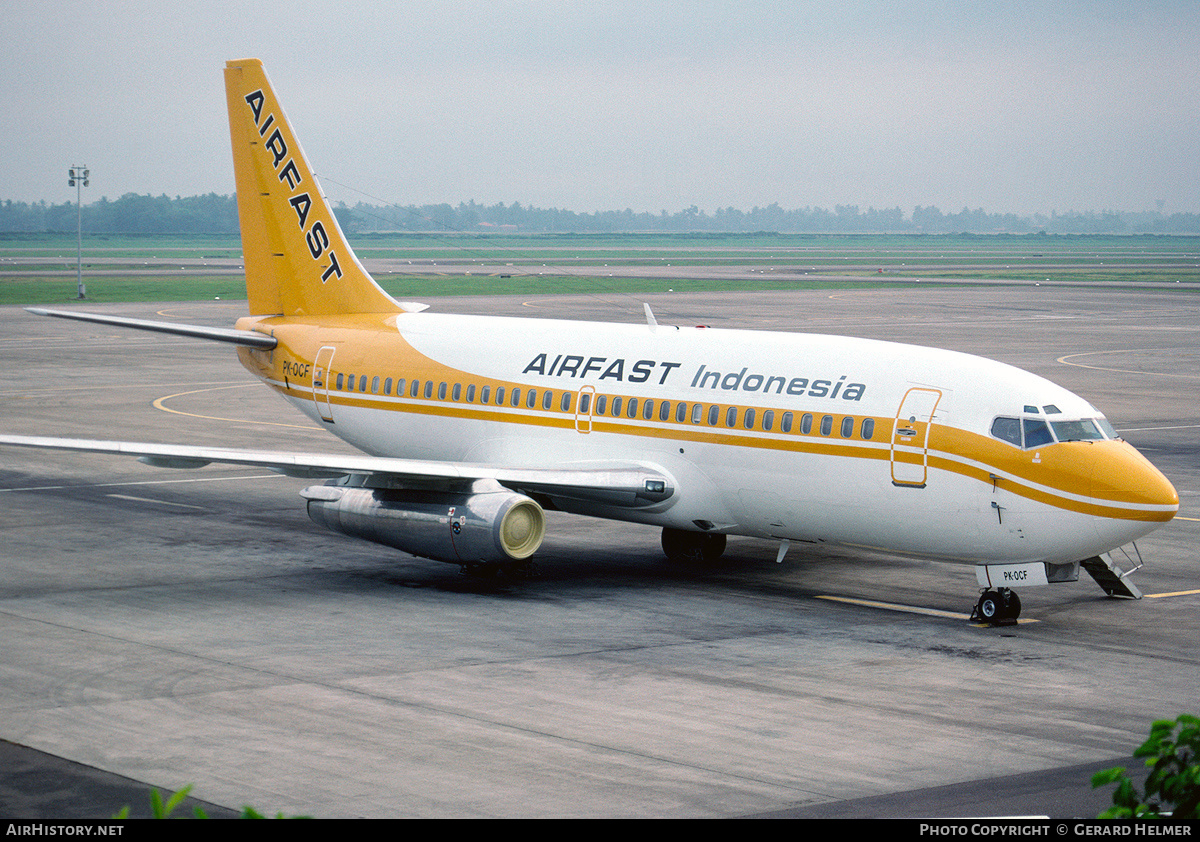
pixel 77 177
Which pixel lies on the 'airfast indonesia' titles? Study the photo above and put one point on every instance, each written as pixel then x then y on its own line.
pixel 573 365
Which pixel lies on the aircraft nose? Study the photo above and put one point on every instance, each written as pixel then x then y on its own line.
pixel 1123 476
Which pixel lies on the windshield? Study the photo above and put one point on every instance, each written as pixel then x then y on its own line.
pixel 1083 430
pixel 1034 432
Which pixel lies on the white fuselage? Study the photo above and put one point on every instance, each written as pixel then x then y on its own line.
pixel 927 479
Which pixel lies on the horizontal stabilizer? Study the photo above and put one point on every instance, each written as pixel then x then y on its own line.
pixel 248 338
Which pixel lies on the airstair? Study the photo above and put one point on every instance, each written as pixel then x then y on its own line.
pixel 1111 575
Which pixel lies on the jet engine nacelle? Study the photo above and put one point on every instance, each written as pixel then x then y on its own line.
pixel 484 526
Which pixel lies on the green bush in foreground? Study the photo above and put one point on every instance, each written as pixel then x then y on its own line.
pixel 163 810
pixel 1173 787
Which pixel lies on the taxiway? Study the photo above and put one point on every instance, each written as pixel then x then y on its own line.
pixel 178 627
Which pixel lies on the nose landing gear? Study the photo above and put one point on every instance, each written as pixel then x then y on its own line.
pixel 998 607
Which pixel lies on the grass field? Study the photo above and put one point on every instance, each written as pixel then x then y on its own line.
pixel 41 269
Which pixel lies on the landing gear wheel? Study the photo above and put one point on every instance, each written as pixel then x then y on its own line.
pixel 694 548
pixel 988 607
pixel 1014 606
pixel 998 607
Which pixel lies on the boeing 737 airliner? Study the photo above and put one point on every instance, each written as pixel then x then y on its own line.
pixel 473 426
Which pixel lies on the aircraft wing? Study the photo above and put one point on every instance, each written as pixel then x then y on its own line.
pixel 630 485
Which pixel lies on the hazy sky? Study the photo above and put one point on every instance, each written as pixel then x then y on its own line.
pixel 1010 106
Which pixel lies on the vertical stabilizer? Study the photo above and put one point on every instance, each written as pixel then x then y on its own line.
pixel 298 262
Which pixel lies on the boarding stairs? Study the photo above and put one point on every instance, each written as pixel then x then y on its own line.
pixel 1111 575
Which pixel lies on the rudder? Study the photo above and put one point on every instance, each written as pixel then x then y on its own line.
pixel 297 259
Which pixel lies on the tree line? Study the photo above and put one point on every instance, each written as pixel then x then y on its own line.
pixel 214 214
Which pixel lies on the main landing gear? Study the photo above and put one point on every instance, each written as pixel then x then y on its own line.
pixel 998 607
pixel 694 548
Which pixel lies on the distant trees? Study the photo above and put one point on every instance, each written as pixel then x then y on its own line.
pixel 130 214
pixel 133 213
pixel 842 219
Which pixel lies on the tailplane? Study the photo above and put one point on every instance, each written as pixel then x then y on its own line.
pixel 298 262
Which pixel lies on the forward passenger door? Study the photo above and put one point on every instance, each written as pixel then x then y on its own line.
pixel 910 436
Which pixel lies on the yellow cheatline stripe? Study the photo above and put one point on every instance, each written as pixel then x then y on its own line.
pixel 159 404
pixel 953 453
pixel 1172 593
pixel 1193 519
pixel 695 433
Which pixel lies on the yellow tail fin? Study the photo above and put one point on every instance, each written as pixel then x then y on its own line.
pixel 298 262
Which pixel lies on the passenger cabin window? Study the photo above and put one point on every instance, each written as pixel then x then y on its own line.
pixel 868 428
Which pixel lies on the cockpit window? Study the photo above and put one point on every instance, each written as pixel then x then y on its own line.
pixel 1082 430
pixel 1007 429
pixel 1036 433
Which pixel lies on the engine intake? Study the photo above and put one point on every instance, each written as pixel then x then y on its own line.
pixel 487 526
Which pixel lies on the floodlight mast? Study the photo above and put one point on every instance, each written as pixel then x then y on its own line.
pixel 77 177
